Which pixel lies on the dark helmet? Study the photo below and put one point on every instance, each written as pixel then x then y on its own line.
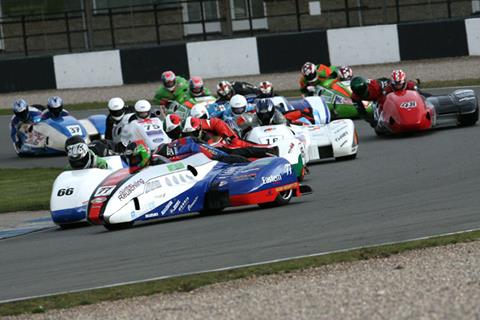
pixel 359 86
pixel 55 106
pixel 265 110
pixel 137 154
pixel 78 153
pixel 20 109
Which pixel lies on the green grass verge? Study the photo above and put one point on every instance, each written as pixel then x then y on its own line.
pixel 26 189
pixel 287 93
pixel 191 282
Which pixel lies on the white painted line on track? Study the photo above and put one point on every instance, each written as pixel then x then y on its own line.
pixel 237 266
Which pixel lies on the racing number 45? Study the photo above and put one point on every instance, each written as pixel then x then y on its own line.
pixel 65 192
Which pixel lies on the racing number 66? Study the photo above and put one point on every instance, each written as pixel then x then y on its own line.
pixel 63 192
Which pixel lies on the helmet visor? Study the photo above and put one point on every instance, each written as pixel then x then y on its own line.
pixel 239 110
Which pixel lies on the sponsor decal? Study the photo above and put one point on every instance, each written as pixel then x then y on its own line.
pixel 340 137
pixel 98 200
pixel 151 215
pixel 192 204
pixel 287 187
pixel 408 105
pixel 169 204
pixel 224 183
pixel 340 129
pixel 175 166
pixel 184 204
pixel 154 133
pixel 290 149
pixel 287 168
pixel 269 129
pixel 152 185
pixel 343 143
pixel 104 191
pixel 175 206
pixel 466 99
pixel 133 214
pixel 129 188
pixel 242 177
pixel 271 179
pixel 158 140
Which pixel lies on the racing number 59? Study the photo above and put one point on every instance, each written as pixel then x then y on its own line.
pixel 65 192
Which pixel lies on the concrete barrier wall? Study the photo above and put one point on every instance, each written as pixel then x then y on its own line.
pixel 246 56
pixel 473 36
pixel 27 74
pixel 223 58
pixel 426 40
pixel 92 69
pixel 363 45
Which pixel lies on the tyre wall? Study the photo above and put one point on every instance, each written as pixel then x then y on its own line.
pixel 245 56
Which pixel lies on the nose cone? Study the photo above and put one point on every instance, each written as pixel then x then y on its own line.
pixel 406 112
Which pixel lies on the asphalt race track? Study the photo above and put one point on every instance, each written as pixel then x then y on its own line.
pixel 397 189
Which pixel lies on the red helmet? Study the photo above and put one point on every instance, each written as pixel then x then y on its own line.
pixel 173 125
pixel 225 89
pixel 169 80
pixel 398 80
pixel 309 71
pixel 192 127
pixel 196 86
pixel 266 88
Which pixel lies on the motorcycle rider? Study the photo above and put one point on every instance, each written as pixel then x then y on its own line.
pixel 173 88
pixel 313 75
pixel 226 90
pixel 142 111
pixel 23 117
pixel 81 157
pixel 139 156
pixel 266 90
pixel 398 82
pixel 172 125
pixel 266 114
pixel 197 88
pixel 54 109
pixel 368 90
pixel 117 110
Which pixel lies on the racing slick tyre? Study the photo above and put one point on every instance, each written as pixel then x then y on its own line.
pixel 282 198
pixel 469 119
pixel 118 226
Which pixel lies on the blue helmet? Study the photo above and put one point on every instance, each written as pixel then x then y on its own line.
pixel 55 105
pixel 265 110
pixel 20 109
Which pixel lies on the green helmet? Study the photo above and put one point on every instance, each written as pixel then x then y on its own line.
pixel 137 155
pixel 359 86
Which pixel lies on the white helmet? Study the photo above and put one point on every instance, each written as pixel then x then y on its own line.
pixel 142 109
pixel 238 103
pixel 200 111
pixel 116 108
